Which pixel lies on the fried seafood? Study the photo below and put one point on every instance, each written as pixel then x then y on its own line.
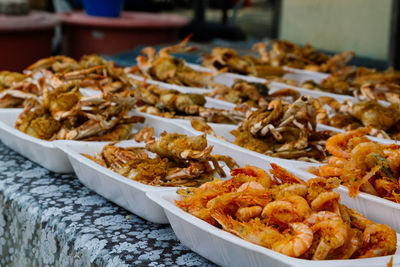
pixel 364 83
pixel 222 58
pixel 269 63
pixel 64 113
pixel 162 66
pixel 174 104
pixel 180 161
pixel 15 88
pixel 253 94
pixel 383 121
pixel 306 221
pixel 364 165
pixel 284 130
pixel 91 72
pixel 285 53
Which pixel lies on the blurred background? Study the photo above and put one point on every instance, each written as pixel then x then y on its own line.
pixel 33 29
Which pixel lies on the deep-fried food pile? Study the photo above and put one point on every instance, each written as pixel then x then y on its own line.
pixel 361 82
pixel 363 165
pixel 180 161
pixel 162 66
pixel 382 120
pixel 288 215
pixel 222 58
pixel 174 104
pixel 91 72
pixel 253 94
pixel 63 112
pixel 284 130
pixel 283 53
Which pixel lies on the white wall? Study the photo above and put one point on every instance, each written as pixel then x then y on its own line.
pixel 339 25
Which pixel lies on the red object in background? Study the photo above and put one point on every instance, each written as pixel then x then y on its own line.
pixel 25 39
pixel 83 34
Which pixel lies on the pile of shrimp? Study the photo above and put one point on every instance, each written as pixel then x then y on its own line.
pixel 362 164
pixel 284 213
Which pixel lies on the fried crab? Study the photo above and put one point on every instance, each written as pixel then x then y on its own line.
pixel 64 113
pixel 284 130
pixel 364 83
pixel 91 72
pixel 174 104
pixel 179 160
pixel 288 215
pixel 225 59
pixel 256 95
pixel 162 66
pixel 269 63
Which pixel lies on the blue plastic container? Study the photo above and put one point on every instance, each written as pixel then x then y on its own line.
pixel 103 8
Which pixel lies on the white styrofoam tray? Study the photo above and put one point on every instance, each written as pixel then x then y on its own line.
pixel 226 249
pixel 229 78
pixel 297 75
pixel 42 152
pixel 124 192
pixel 224 130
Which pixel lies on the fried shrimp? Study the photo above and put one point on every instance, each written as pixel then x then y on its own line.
pixel 333 235
pixel 296 243
pixel 280 212
pixel 378 240
pixel 336 144
pixel 297 219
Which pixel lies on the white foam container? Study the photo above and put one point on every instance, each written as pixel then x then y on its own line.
pixel 229 78
pixel 226 249
pixel 46 153
pixel 224 130
pixel 42 152
pixel 125 192
pixel 297 75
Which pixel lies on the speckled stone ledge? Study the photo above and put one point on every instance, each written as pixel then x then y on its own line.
pixel 49 219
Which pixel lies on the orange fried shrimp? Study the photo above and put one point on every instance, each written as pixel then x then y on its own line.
pixel 337 144
pixel 260 175
pixel 364 155
pixel 385 188
pixel 284 176
pixel 354 186
pixel 333 234
pixel 250 186
pixel 322 216
pixel 300 205
pixel 247 213
pixel 350 246
pixel 336 161
pixel 292 189
pixel 327 201
pixel 394 161
pixel 253 231
pixel 280 212
pixel 329 171
pixel 297 243
pixel 378 240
